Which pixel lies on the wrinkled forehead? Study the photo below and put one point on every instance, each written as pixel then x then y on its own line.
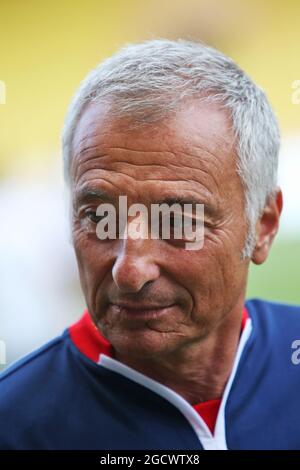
pixel 195 124
pixel 191 150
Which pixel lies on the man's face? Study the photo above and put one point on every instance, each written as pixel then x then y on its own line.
pixel 189 156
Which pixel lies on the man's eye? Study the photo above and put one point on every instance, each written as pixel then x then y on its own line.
pixel 179 221
pixel 175 222
pixel 191 221
pixel 91 215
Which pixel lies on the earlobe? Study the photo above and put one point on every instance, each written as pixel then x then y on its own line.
pixel 260 252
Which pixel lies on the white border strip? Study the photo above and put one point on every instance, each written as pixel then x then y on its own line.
pixel 220 428
pixel 208 441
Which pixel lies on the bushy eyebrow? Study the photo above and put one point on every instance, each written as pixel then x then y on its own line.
pixel 180 200
pixel 87 194
pixel 209 208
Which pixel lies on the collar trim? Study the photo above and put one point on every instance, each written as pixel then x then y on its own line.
pixel 91 343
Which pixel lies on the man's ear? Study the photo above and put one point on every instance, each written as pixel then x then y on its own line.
pixel 267 227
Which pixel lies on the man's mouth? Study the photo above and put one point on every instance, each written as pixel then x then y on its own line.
pixel 140 311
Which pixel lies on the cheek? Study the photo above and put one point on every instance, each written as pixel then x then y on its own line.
pixel 228 272
pixel 213 274
pixel 93 260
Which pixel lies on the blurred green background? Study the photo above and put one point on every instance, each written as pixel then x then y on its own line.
pixel 46 49
pixel 279 277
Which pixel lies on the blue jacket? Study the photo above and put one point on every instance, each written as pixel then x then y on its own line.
pixel 70 394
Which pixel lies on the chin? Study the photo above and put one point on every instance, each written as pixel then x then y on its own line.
pixel 142 344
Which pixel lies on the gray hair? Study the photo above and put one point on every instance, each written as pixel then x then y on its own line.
pixel 148 81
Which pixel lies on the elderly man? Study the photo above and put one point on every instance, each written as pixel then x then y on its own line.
pixel 168 354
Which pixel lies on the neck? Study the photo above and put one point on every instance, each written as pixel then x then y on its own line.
pixel 196 380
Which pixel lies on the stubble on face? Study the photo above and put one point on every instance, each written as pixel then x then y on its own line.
pixel 191 154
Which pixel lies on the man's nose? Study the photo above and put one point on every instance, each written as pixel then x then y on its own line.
pixel 135 265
